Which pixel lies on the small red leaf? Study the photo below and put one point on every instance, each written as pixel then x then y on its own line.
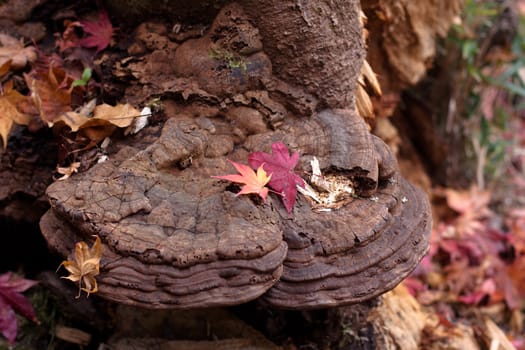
pixel 99 33
pixel 280 166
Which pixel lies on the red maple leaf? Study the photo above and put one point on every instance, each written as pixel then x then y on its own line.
pixel 99 32
pixel 253 183
pixel 280 166
pixel 12 300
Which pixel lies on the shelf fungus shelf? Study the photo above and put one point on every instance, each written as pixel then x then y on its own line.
pixel 174 237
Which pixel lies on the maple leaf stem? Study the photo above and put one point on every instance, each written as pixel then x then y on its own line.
pixel 277 193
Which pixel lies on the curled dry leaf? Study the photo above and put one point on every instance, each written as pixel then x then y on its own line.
pixel 69 39
pixel 84 266
pixel 10 113
pixel 68 171
pixel 13 50
pixel 50 92
pixel 121 116
pixel 102 124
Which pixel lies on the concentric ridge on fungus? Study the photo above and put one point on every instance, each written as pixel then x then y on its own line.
pixel 178 238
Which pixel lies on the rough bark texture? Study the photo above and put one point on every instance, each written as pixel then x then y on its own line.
pixel 322 38
pixel 26 170
pixel 402 40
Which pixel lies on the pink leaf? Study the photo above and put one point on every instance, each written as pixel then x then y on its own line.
pixel 11 299
pixel 280 166
pixel 8 321
pixel 99 33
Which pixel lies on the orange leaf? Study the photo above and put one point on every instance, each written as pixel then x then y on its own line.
pixel 85 266
pixel 253 182
pixel 50 92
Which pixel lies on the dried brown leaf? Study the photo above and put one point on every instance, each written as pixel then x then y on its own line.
pixel 5 66
pixel 13 50
pixel 102 124
pixel 85 266
pixel 69 38
pixel 9 111
pixel 50 93
pixel 72 119
pixel 121 115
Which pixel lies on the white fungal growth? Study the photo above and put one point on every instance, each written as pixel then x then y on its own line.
pixel 327 192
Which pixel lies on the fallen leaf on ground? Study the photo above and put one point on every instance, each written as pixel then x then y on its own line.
pixel 11 300
pixel 472 206
pixel 280 166
pixel 5 66
pixel 69 39
pixel 121 115
pixel 99 33
pixel 50 92
pixel 84 266
pixel 253 183
pixel 13 50
pixel 10 100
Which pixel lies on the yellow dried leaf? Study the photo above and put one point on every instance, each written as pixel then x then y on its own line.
pixel 13 50
pixel 9 112
pixel 72 119
pixel 121 115
pixel 50 93
pixel 6 123
pixel 85 266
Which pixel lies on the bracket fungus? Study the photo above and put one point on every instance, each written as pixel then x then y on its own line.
pixel 179 238
pixel 174 237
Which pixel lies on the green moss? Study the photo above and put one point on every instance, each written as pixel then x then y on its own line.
pixel 231 59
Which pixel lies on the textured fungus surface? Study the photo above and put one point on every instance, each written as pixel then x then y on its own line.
pixel 174 236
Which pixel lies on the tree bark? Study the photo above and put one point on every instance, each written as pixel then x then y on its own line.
pixel 316 45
